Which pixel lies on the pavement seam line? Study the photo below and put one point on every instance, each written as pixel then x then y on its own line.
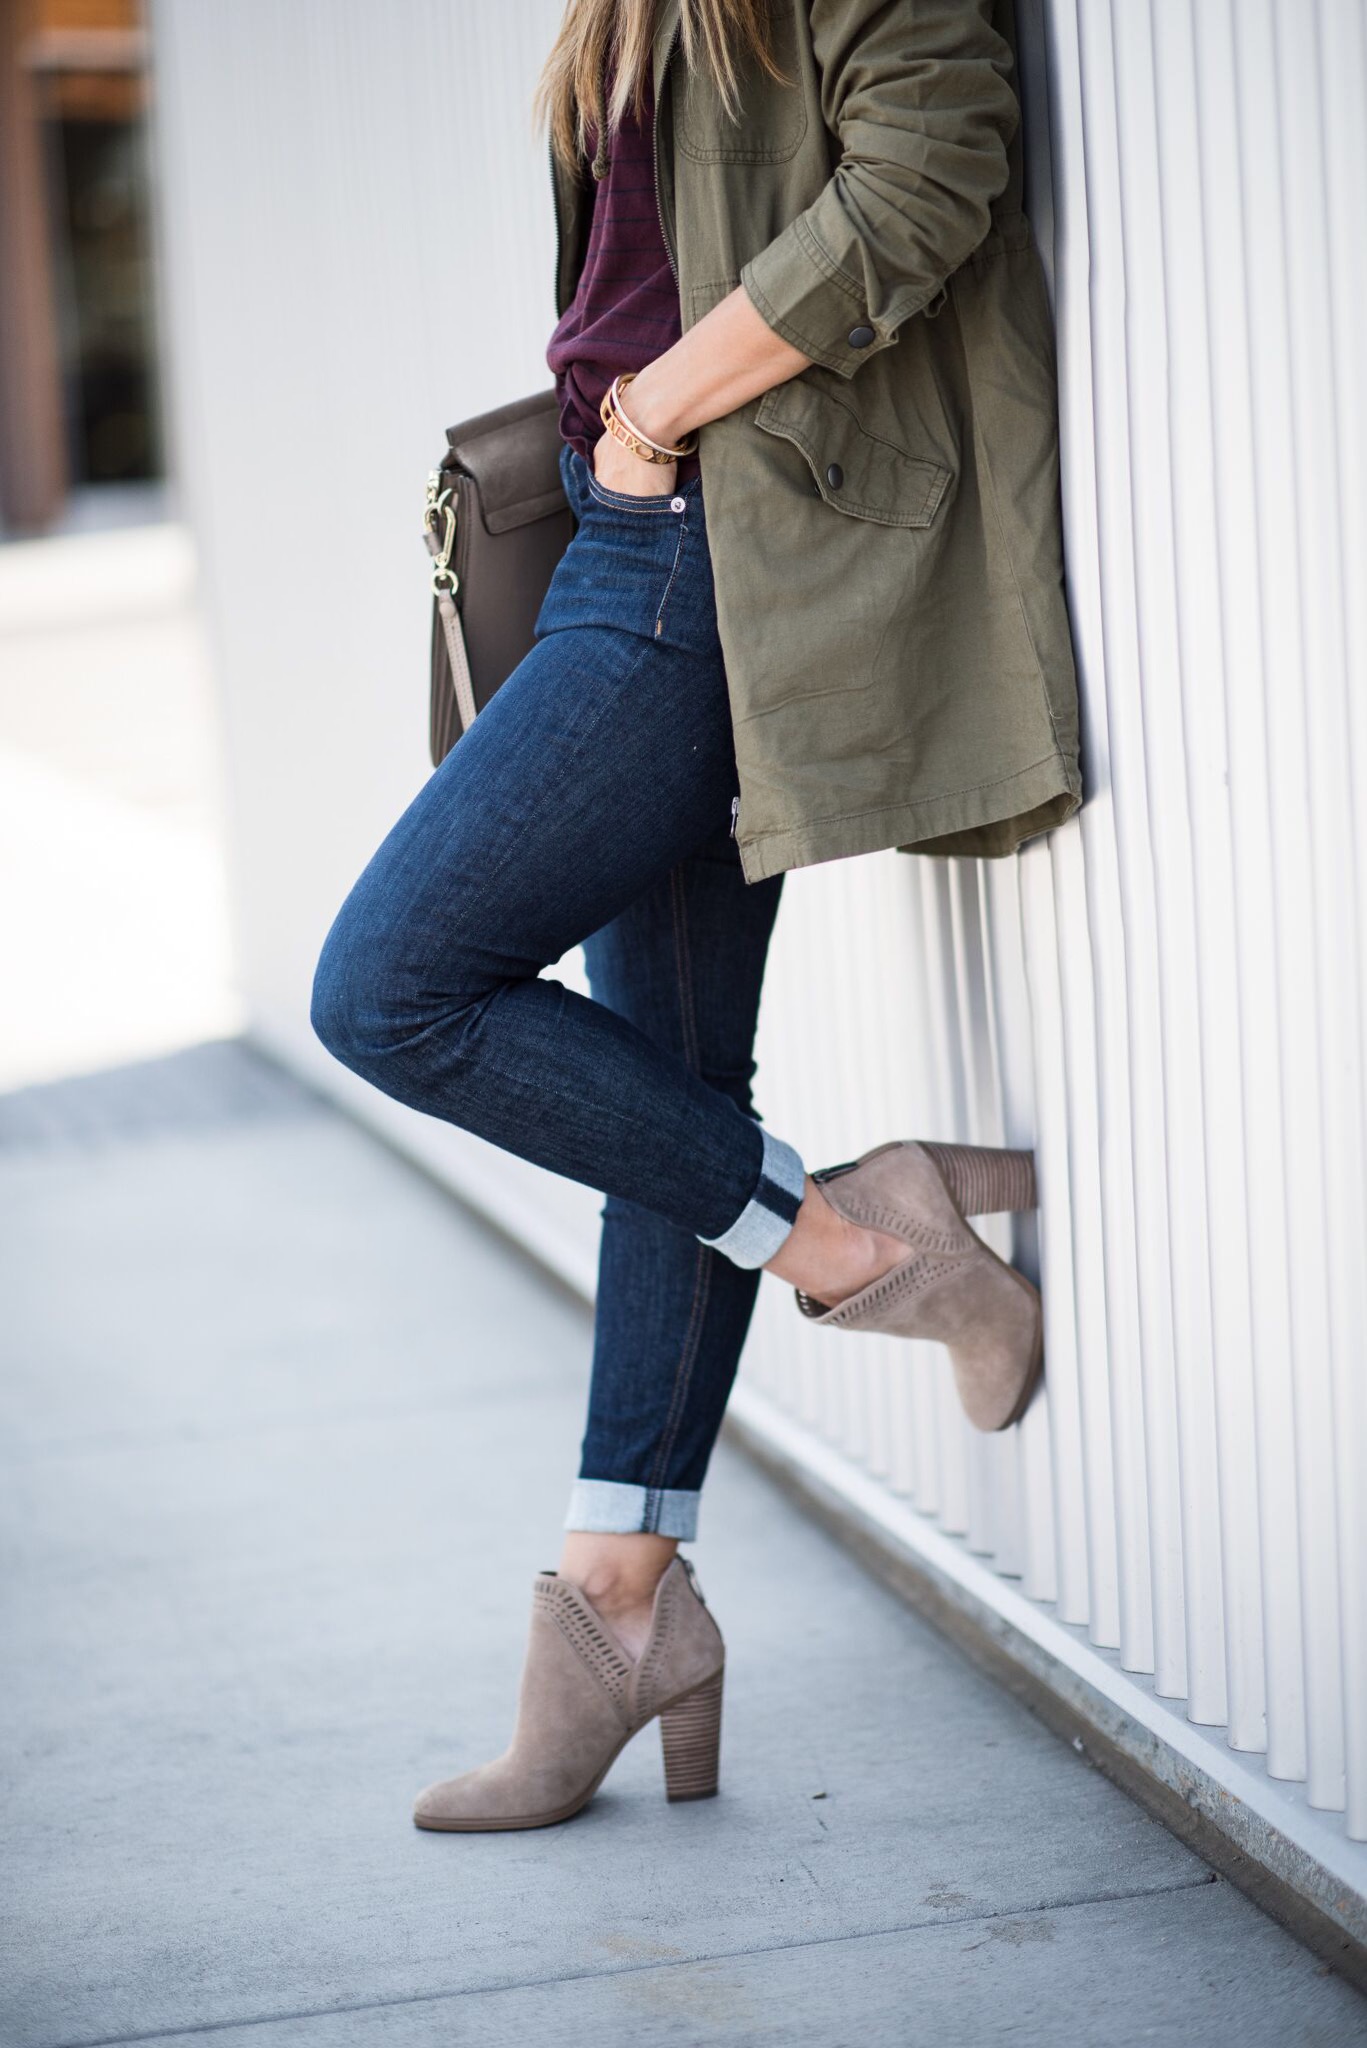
pixel 776 1948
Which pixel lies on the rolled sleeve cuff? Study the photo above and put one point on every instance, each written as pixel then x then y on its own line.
pixel 799 292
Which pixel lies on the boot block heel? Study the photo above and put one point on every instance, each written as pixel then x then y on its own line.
pixel 984 1180
pixel 690 1734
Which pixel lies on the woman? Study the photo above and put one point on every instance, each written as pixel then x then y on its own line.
pixel 813 606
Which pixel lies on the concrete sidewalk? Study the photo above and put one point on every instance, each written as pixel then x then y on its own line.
pixel 287 1435
pixel 113 900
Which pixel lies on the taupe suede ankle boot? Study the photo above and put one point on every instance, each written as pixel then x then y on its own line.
pixel 583 1699
pixel 953 1288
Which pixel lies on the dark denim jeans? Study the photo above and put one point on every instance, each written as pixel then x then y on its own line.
pixel 590 803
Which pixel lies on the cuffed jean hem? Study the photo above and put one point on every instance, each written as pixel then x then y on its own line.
pixel 769 1215
pixel 608 1507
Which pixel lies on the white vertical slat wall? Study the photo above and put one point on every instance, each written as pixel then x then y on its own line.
pixel 1165 997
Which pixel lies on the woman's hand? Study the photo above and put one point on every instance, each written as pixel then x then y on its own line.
pixel 729 357
pixel 617 469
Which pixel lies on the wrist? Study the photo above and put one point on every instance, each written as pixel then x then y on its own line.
pixel 652 410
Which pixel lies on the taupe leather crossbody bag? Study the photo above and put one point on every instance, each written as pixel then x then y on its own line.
pixel 496 524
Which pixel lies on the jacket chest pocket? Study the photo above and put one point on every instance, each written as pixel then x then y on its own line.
pixel 772 117
pixel 854 471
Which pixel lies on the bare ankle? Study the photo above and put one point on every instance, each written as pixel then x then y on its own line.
pixel 829 1257
pixel 626 1609
pixel 612 1594
pixel 618 1576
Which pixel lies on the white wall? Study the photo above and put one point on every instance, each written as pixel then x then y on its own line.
pixel 1165 996
pixel 358 251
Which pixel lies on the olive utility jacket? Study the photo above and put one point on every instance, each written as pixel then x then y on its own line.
pixel 885 527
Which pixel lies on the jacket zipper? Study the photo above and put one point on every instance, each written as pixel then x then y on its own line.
pixel 655 160
pixel 559 230
pixel 655 180
pixel 673 265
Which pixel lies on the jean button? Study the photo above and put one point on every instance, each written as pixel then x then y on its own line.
pixel 676 504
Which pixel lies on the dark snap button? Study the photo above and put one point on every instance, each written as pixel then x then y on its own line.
pixel 859 337
pixel 835 476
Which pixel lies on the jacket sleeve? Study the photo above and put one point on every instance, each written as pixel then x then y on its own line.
pixel 919 94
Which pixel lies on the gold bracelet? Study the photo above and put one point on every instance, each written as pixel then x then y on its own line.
pixel 621 429
pixel 619 385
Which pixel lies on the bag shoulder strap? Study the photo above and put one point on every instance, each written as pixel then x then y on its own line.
pixel 439 531
pixel 454 635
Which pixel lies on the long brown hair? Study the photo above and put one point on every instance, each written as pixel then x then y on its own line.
pixel 718 36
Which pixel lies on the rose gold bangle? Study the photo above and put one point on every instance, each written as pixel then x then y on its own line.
pixel 621 428
pixel 619 385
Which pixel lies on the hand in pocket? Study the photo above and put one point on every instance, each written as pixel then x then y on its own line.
pixel 623 473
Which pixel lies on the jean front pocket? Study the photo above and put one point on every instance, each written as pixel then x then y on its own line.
pixel 648 502
pixel 637 564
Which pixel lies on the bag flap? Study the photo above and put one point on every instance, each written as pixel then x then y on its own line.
pixel 877 480
pixel 512 456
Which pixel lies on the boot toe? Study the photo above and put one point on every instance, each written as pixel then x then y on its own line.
pixel 477 1799
pixel 443 1804
pixel 499 1796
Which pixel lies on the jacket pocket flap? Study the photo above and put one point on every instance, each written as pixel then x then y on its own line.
pixel 854 471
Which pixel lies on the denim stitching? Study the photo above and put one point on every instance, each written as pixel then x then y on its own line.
pixel 678 554
pixel 688 1027
pixel 702 1288
pixel 650 504
pixel 776 1199
pixel 647 507
pixel 702 1280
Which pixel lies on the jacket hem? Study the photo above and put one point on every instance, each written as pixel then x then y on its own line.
pixel 988 822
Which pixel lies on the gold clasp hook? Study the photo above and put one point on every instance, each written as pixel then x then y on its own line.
pixel 439 531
